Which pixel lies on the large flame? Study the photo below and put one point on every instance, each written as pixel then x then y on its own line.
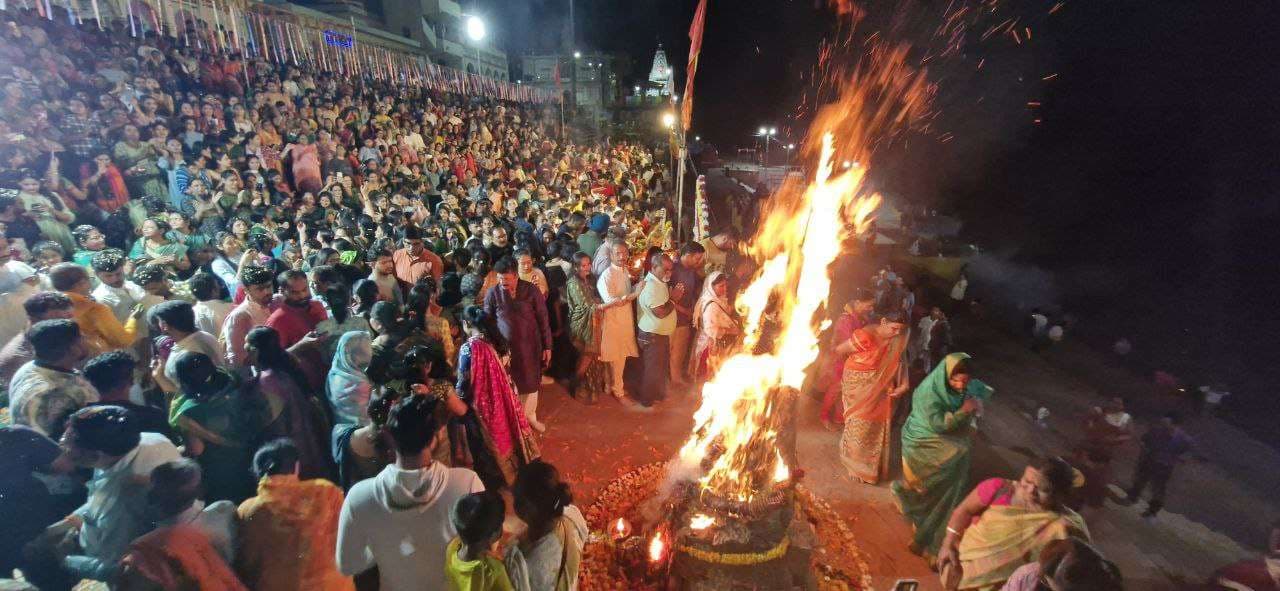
pixel 799 237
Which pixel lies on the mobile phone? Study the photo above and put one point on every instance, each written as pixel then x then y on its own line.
pixel 906 585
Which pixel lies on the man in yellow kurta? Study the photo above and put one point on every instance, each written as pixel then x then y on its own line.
pixel 101 330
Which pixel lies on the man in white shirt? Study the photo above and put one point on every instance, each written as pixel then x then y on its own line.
pixel 399 520
pixel 210 309
pixel 107 439
pixel 657 322
pixel 113 289
pixel 177 320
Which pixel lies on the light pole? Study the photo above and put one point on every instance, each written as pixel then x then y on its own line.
pixel 767 133
pixel 573 82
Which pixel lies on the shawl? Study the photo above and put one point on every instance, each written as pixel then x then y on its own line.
pixel 935 398
pixel 111 193
pixel 494 397
pixel 1007 537
pixel 709 297
pixel 181 558
pixel 884 359
pixel 347 386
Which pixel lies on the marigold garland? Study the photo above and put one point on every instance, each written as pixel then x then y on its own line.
pixel 738 559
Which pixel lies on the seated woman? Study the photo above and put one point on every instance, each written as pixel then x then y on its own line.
pixel 549 552
pixel 1003 524
pixel 154 244
pixel 217 422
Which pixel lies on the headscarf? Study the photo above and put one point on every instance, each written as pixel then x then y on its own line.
pixel 935 392
pixel 347 386
pixel 707 297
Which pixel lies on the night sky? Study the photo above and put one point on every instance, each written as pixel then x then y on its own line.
pixel 1148 190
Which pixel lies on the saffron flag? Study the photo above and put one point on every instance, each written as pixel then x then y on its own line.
pixel 695 47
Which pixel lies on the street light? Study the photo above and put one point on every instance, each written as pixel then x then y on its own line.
pixel 577 55
pixel 475 28
pixel 763 130
pixel 697 138
pixel 669 120
pixel 773 131
pixel 476 32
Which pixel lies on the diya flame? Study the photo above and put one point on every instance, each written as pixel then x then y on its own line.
pixel 799 236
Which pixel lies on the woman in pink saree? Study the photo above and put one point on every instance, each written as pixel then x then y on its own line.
pixel 306 165
pixel 485 385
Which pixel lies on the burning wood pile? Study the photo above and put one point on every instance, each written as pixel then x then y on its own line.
pixel 728 513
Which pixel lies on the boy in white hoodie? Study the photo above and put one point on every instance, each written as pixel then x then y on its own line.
pixel 399 520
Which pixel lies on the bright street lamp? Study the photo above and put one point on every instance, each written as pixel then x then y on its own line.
pixel 791 146
pixel 763 130
pixel 475 28
pixel 773 131
pixel 669 119
pixel 697 138
pixel 577 55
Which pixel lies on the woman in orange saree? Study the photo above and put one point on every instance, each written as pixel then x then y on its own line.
pixel 874 377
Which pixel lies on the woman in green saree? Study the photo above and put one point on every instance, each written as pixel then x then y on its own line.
pixel 219 423
pixel 936 441
pixel 156 245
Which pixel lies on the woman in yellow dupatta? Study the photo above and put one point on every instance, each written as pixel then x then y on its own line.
pixel 874 377
pixel 1004 524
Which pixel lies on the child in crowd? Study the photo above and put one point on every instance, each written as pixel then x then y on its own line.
pixel 469 563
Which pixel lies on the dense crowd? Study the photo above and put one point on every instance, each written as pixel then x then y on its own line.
pixel 267 327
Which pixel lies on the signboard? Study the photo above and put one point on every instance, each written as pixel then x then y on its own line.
pixel 337 39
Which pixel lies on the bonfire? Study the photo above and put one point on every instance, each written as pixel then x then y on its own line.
pixel 729 511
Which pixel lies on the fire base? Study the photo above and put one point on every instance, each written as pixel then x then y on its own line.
pixel 787 541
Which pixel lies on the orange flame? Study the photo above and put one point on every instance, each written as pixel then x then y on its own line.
pixel 701 521
pixel 621 528
pixel 657 547
pixel 799 237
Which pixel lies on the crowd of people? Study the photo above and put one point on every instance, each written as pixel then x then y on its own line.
pixel 268 327
pixel 265 327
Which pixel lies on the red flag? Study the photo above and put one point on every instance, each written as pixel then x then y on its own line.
pixel 695 47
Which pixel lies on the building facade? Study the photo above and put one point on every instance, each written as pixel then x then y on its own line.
pixel 591 77
pixel 439 26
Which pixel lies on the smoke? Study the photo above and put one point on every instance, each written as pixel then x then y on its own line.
pixel 1011 287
